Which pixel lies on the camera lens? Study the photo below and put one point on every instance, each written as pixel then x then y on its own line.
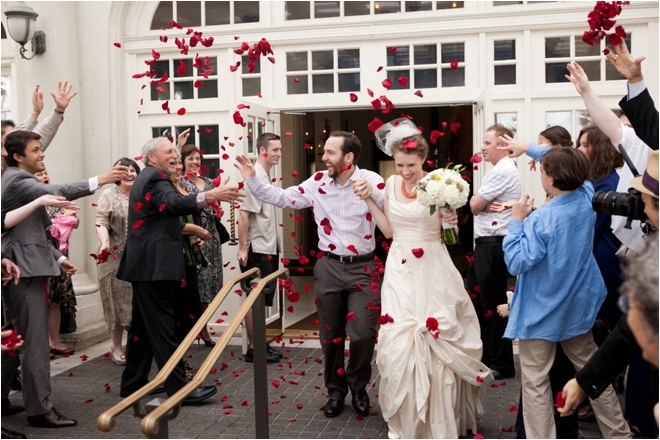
pixel 613 203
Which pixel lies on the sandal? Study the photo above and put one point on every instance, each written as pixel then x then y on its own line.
pixel 121 360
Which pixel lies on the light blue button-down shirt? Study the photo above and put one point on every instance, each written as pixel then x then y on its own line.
pixel 560 288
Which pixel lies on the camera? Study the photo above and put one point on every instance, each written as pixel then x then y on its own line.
pixel 628 204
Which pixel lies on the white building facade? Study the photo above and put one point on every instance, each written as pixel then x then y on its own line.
pixel 474 63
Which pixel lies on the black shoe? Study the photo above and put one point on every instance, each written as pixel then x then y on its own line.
pixel 52 419
pixel 360 402
pixel 159 390
pixel 270 358
pixel 16 384
pixel 199 395
pixel 333 408
pixel 207 343
pixel 273 351
pixel 9 409
pixel 499 375
pixel 8 433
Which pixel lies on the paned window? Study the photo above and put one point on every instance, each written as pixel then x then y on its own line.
pixel 6 98
pixel 188 78
pixel 305 10
pixel 327 71
pixel 572 120
pixel 508 120
pixel 251 81
pixel 504 60
pixel 421 70
pixel 561 50
pixel 190 14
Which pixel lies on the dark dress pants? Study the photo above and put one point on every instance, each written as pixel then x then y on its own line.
pixel 151 335
pixel 187 305
pixel 337 295
pixel 489 271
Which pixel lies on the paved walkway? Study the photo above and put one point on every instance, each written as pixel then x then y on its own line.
pixel 79 391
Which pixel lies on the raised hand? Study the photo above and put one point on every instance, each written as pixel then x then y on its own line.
pixel 515 147
pixel 627 65
pixel 521 208
pixel 578 77
pixel 37 102
pixel 182 139
pixel 63 96
pixel 57 202
pixel 245 166
pixel 117 173
pixel 362 189
pixel 224 193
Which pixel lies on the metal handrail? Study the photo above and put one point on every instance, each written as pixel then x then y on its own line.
pixel 106 421
pixel 150 423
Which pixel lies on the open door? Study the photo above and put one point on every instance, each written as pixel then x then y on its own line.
pixel 483 118
pixel 259 120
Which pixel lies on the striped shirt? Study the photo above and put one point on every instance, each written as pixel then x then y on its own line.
pixel 340 215
pixel 501 184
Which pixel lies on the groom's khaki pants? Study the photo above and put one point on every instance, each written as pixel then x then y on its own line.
pixel 536 357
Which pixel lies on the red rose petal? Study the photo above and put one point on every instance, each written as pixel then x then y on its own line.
pixel 454 64
pixel 137 224
pixel 561 400
pixel 161 208
pixel 353 97
pixel 480 379
pixel 431 324
pixel 513 408
pixel 350 317
pixel 392 50
pixel 138 206
pixel 340 371
pixel 381 185
pixel 375 125
pixel 419 93
pixel 418 252
pixel 477 288
pixel 403 81
pixel 379 69
pixel 387 83
pixel 353 249
pixel 410 144
pixel 489 313
pixel 455 126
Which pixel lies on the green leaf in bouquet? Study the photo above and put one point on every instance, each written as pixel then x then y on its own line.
pixel 432 209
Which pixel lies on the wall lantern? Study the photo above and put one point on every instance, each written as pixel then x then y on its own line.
pixel 21 22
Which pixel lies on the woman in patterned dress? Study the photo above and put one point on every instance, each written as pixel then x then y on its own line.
pixel 210 278
pixel 111 229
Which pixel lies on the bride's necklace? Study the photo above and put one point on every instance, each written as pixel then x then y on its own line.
pixel 405 193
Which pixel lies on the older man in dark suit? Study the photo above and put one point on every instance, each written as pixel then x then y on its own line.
pixel 28 247
pixel 153 262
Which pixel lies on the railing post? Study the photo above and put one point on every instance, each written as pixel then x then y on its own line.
pixel 260 367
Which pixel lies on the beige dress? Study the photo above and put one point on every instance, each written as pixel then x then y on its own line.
pixel 429 386
pixel 116 295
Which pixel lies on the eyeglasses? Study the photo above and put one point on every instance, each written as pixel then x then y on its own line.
pixel 623 303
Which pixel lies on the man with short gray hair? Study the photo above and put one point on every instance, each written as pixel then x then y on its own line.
pixel 153 262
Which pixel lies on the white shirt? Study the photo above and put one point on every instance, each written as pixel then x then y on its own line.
pixel 334 205
pixel 263 220
pixel 501 184
pixel 639 154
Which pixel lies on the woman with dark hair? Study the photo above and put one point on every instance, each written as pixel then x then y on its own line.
pixel 603 163
pixel 209 277
pixel 111 230
pixel 555 136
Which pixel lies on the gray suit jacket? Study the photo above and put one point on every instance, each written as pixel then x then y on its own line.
pixel 27 243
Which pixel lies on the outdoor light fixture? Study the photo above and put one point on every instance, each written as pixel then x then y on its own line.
pixel 21 21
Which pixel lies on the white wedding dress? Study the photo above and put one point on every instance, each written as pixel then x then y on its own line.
pixel 429 386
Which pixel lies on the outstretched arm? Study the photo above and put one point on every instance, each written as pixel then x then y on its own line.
pixel 603 117
pixel 19 214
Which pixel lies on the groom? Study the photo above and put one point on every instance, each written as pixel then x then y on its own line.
pixel 345 273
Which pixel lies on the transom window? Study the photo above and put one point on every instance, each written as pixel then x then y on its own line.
pixel 205 137
pixel 251 81
pixel 422 71
pixel 327 71
pixel 508 120
pixel 504 61
pixel 561 50
pixel 188 78
pixel 205 13
pixel 304 10
pixel 568 119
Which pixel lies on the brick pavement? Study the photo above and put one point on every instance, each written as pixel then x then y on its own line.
pixel 73 389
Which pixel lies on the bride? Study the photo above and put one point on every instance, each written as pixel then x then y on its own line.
pixel 430 377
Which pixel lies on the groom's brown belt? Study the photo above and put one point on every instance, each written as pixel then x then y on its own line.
pixel 494 239
pixel 351 258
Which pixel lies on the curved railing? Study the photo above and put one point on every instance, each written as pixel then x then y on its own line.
pixel 150 423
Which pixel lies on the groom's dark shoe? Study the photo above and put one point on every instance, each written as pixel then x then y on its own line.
pixel 333 408
pixel 360 402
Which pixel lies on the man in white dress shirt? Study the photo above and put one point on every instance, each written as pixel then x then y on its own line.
pixel 345 274
pixel 487 275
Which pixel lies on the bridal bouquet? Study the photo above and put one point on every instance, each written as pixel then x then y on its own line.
pixel 446 189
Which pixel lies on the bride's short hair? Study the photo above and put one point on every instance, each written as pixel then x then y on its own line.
pixel 422 149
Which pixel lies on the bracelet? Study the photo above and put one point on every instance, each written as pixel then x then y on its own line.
pixel 60 112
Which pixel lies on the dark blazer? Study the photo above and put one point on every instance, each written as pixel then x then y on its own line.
pixel 617 351
pixel 643 117
pixel 27 242
pixel 154 249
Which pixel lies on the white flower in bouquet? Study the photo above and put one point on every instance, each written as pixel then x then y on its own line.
pixel 452 195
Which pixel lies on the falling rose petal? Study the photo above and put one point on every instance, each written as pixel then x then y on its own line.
pixel 478 436
pixel 476 158
pixel 296 80
pixel 289 309
pixel 410 144
pixel 454 64
pixel 350 317
pixel 370 93
pixel 477 288
pixel 117 44
pixel 137 158
pixel 259 95
pixel 418 252
pixel 431 324
pixel 513 408
pixel 155 55
pixel 287 134
pixel 435 134
pixel 387 83
pixel 606 51
pixel 480 379
pixel 161 208
pixel 271 59
pixel 137 224
pixel 198 84
pixel 379 69
pixel 475 167
pixel 419 93
pixel 455 126
pixel 138 206
pixel 381 185
pixel 340 371
pixel 392 50
pixel 375 125
pixel 561 400
pixel 353 249
pixel 494 224
pixel 403 81
pixel 488 313
pixel 181 111
pixel 353 97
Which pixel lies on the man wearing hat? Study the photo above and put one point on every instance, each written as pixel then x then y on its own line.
pixel 648 186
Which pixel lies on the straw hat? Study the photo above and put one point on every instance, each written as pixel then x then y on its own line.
pixel 648 183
